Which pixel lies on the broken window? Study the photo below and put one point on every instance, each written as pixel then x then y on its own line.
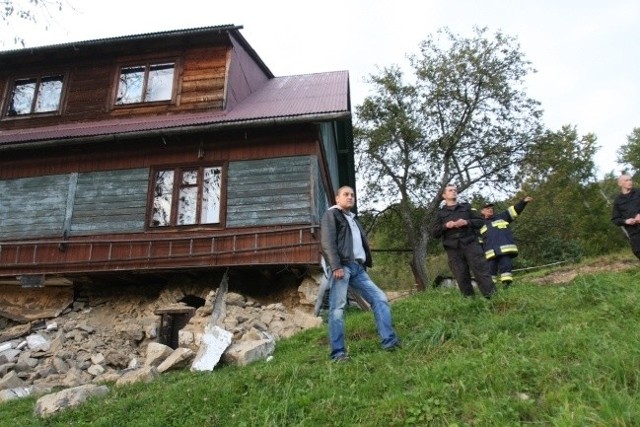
pixel 35 95
pixel 186 196
pixel 145 83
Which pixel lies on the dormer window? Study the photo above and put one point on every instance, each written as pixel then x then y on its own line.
pixel 35 95
pixel 145 83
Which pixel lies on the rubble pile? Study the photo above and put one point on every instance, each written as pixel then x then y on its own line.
pixel 113 334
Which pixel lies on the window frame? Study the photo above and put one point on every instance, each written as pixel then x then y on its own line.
pixel 147 64
pixel 39 77
pixel 178 170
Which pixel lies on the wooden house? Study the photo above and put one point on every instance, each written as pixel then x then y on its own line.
pixel 164 152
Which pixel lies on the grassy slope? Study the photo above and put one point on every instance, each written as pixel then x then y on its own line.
pixel 560 355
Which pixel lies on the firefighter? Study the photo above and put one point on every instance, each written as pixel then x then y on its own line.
pixel 498 242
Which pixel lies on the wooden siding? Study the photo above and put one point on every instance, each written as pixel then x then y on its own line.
pixel 269 192
pixel 274 198
pixel 110 202
pixel 89 88
pixel 88 93
pixel 259 193
pixel 203 79
pixel 216 148
pixel 33 207
pixel 99 202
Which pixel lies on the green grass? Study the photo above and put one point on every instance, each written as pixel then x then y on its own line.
pixel 556 355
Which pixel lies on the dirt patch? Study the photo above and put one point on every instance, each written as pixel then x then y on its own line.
pixel 567 274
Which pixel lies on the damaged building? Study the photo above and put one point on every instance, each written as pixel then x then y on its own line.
pixel 132 164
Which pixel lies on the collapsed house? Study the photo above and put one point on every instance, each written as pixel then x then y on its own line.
pixel 137 159
pixel 146 155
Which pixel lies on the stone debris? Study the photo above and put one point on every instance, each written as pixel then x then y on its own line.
pixel 145 374
pixel 55 402
pixel 244 352
pixel 112 334
pixel 14 393
pixel 179 358
pixel 156 353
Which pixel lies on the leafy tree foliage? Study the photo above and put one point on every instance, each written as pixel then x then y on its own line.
pixel 465 119
pixel 629 153
pixel 33 11
pixel 570 215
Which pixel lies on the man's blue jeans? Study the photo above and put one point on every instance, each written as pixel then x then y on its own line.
pixel 356 277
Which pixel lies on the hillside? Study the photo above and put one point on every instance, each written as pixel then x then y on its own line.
pixel 561 354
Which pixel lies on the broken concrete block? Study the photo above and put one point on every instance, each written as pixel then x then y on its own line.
pixel 212 345
pixel 246 352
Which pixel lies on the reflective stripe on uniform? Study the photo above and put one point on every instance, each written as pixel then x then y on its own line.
pixel 508 249
pixel 490 254
pixel 500 224
pixel 506 277
pixel 512 212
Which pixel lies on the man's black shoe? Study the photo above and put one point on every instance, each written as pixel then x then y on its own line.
pixel 341 358
pixel 394 347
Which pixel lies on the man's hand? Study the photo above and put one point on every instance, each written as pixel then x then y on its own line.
pixel 456 224
pixel 338 273
pixel 527 199
pixel 631 221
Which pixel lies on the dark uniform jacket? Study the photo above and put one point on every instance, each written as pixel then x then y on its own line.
pixel 337 240
pixel 497 238
pixel 457 237
pixel 626 206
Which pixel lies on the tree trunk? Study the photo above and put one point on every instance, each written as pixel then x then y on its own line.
pixel 418 265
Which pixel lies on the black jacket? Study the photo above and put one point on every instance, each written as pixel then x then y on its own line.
pixel 626 206
pixel 456 237
pixel 337 241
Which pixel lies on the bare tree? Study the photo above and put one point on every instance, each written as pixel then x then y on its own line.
pixel 36 12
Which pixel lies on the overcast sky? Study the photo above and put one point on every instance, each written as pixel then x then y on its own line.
pixel 585 51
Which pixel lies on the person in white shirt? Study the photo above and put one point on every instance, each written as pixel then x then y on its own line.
pixel 346 251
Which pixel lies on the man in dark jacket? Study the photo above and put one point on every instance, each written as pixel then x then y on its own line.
pixel 498 242
pixel 458 225
pixel 346 250
pixel 626 212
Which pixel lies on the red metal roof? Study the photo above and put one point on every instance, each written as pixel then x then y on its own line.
pixel 282 99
